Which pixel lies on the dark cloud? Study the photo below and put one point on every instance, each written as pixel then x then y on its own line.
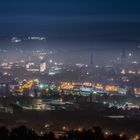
pixel 72 20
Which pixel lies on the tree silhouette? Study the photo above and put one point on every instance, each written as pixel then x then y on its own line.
pixel 24 133
pixel 4 133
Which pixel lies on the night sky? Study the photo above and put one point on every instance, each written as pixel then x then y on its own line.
pixel 82 22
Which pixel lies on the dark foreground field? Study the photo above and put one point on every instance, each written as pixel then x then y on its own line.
pixel 72 119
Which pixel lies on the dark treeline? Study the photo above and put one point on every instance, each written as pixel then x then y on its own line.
pixel 24 133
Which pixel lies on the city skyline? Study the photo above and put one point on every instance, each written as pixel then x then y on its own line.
pixel 67 66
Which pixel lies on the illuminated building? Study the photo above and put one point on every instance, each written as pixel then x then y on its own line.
pixel 123 72
pixel 137 91
pixel 39 104
pixel 25 86
pixel 66 86
pixel 111 88
pixel 122 91
pixel 6 65
pixel 30 65
pixel 42 66
pixel 99 86
pixel 131 72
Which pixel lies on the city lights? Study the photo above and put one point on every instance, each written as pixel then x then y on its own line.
pixel 70 70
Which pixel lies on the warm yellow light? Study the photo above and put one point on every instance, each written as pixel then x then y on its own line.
pixel 111 88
